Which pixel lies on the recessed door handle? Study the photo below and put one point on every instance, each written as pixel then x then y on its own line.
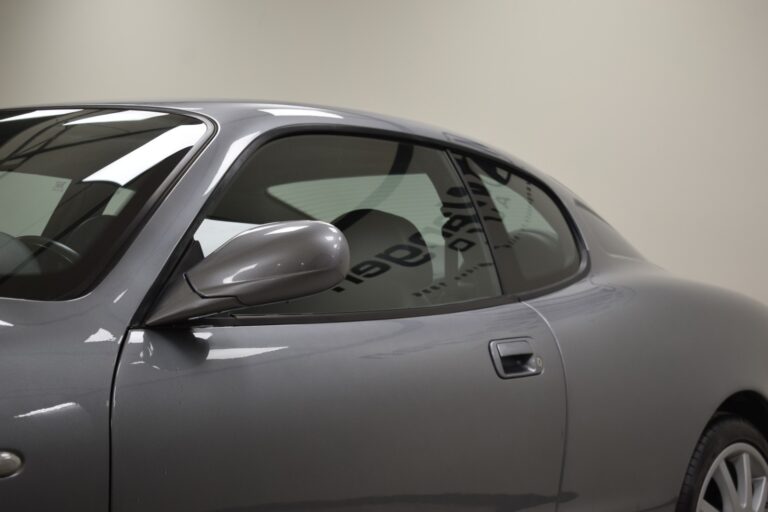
pixel 515 358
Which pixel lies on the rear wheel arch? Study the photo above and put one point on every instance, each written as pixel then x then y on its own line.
pixel 741 418
pixel 748 405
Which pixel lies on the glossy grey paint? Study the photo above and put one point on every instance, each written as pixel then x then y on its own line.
pixel 57 361
pixel 647 359
pixel 398 415
pixel 268 263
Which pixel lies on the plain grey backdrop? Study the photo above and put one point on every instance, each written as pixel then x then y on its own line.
pixel 655 112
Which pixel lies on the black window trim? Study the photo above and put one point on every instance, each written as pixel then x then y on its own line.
pixel 123 242
pixel 172 269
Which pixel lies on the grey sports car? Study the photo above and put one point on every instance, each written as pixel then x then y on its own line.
pixel 267 307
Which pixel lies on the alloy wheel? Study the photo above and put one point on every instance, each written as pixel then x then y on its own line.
pixel 737 481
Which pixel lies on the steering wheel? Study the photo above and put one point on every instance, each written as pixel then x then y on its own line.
pixel 40 243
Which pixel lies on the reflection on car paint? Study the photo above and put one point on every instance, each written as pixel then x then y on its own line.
pixel 47 410
pixel 233 152
pixel 136 336
pixel 100 336
pixel 239 353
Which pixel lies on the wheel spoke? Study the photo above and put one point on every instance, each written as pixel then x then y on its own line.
pixel 743 465
pixel 705 506
pixel 722 478
pixel 759 494
pixel 736 481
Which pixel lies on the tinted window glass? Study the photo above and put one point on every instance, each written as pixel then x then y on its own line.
pixel 531 236
pixel 414 237
pixel 71 182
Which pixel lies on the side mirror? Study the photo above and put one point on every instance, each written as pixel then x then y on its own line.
pixel 268 263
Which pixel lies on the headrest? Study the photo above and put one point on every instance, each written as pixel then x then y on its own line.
pixel 394 241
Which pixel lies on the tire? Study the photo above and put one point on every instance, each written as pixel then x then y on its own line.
pixel 721 449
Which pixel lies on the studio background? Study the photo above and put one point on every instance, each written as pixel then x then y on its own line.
pixel 655 112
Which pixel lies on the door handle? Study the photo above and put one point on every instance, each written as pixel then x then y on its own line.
pixel 514 358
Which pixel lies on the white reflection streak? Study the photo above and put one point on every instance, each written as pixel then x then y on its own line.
pixel 237 353
pixel 137 162
pixel 46 410
pixel 136 337
pixel 287 229
pixel 203 335
pixel 100 336
pixel 41 113
pixel 117 117
pixel 233 152
pixel 5 324
pixel 299 112
pixel 231 279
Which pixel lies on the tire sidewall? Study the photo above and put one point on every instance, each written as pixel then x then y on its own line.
pixel 718 436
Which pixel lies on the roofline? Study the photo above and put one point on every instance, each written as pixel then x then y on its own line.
pixel 215 109
pixel 222 112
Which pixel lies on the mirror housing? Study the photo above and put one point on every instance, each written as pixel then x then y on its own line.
pixel 268 263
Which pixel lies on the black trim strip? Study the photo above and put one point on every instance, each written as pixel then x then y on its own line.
pixel 234 320
pixel 494 257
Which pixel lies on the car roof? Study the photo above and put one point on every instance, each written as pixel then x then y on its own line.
pixel 239 120
pixel 265 115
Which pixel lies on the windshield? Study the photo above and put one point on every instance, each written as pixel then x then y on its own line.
pixel 72 183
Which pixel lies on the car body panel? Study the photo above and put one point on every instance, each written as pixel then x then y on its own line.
pixel 56 366
pixel 399 414
pixel 647 359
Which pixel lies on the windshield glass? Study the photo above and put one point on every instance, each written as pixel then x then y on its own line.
pixel 72 183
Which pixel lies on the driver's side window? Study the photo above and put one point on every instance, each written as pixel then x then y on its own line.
pixel 415 238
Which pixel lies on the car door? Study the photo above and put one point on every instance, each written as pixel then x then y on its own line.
pixel 417 383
